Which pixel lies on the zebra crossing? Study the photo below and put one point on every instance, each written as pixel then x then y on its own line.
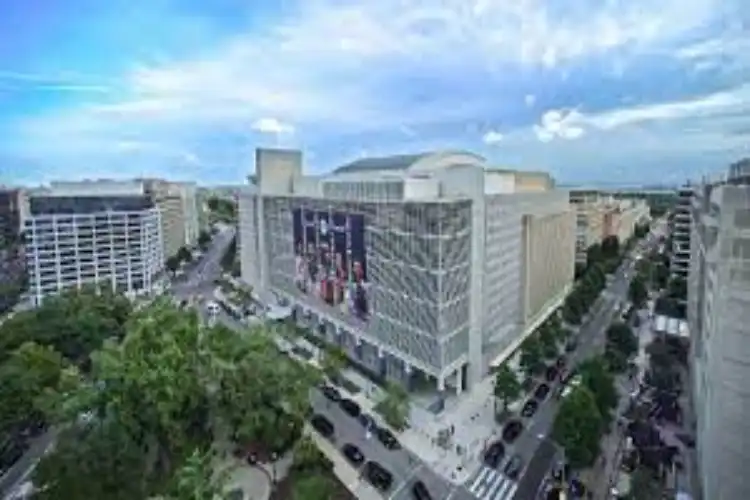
pixel 491 484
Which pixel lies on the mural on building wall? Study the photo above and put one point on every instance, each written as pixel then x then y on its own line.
pixel 330 260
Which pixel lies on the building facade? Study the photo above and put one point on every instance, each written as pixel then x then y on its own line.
pixel 99 232
pixel 718 315
pixel 416 265
pixel 178 205
pixel 680 231
pixel 12 260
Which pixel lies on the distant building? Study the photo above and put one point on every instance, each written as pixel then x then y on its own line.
pixel 11 248
pixel 719 319
pixel 178 205
pixel 102 232
pixel 680 231
pixel 430 266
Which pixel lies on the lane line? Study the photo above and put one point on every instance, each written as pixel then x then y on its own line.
pixel 406 480
pixel 481 473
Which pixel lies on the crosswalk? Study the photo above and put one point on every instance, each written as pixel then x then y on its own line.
pixel 491 484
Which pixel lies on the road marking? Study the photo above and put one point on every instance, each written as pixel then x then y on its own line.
pixel 484 471
pixel 406 480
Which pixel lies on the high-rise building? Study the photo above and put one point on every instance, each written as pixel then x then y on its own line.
pixel 11 248
pixel 102 232
pixel 680 231
pixel 718 318
pixel 179 213
pixel 429 266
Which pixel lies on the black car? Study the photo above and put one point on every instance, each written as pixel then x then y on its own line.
pixel 551 374
pixel 353 454
pixel 541 392
pixel 571 345
pixel 494 454
pixel 322 425
pixel 420 492
pixel 512 430
pixel 514 467
pixel 388 439
pixel 331 393
pixel 560 363
pixel 378 476
pixel 530 408
pixel 350 407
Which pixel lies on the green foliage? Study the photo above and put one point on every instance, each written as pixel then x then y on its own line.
pixel 507 387
pixel 597 378
pixel 333 362
pixel 173 264
pixel 532 355
pixel 204 239
pixel 677 288
pixel 394 407
pixel 196 479
pixel 73 324
pixel 578 427
pixel 641 230
pixel 222 209
pixel 314 488
pixel 184 255
pixel 637 292
pixel 309 459
pixel 229 257
pixel 620 337
pixel 610 247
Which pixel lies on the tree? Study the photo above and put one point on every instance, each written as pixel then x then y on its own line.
pixel 507 387
pixel 611 247
pixel 595 375
pixel 75 323
pixel 677 288
pixel 532 356
pixel 204 239
pixel 394 407
pixel 645 485
pixel 578 427
pixel 197 479
pixel 184 255
pixel 637 292
pixel 620 337
pixel 594 254
pixel 173 264
pixel 309 459
pixel 333 362
pixel 314 488
pixel 661 275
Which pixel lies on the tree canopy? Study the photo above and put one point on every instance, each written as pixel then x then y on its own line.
pixel 597 378
pixel 507 387
pixel 578 427
pixel 621 338
pixel 637 292
pixel 394 406
pixel 159 398
pixel 532 355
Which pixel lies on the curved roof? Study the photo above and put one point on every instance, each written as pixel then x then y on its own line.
pixel 411 162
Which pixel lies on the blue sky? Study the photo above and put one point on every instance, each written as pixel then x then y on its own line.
pixel 593 91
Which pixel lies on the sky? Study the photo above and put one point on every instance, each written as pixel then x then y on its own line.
pixel 593 91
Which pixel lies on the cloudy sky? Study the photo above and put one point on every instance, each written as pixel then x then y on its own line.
pixel 591 90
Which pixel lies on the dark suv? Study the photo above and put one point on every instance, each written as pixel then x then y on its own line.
pixel 378 476
pixel 322 425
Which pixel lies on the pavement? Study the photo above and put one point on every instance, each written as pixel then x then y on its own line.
pixel 17 476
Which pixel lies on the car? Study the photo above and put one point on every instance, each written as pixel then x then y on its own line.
pixel 353 454
pixel 541 392
pixel 512 430
pixel 378 476
pixel 322 425
pixel 560 362
pixel 551 374
pixel 420 492
pixel 494 454
pixel 331 393
pixel 530 408
pixel 350 407
pixel 387 438
pixel 514 466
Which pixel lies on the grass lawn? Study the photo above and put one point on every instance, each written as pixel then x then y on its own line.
pixel 285 487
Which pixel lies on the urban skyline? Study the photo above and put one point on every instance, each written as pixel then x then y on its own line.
pixel 191 92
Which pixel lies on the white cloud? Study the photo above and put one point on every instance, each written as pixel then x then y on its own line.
pixel 272 126
pixel 559 124
pixel 492 137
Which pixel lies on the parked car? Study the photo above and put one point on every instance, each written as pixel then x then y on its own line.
pixel 350 407
pixel 512 430
pixel 541 392
pixel 551 374
pixel 529 408
pixel 331 393
pixel 353 454
pixel 494 454
pixel 378 476
pixel 322 425
pixel 420 492
pixel 367 421
pixel 387 438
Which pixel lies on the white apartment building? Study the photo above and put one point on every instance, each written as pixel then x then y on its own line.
pixel 177 203
pixel 680 230
pixel 430 266
pixel 101 232
pixel 718 318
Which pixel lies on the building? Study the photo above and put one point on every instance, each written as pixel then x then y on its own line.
pixel 589 212
pixel 12 271
pixel 680 231
pixel 718 318
pixel 622 216
pixel 102 232
pixel 179 213
pixel 428 266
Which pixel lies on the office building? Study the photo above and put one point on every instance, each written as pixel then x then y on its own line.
pixel 429 266
pixel 178 206
pixel 101 232
pixel 12 271
pixel 718 318
pixel 680 231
